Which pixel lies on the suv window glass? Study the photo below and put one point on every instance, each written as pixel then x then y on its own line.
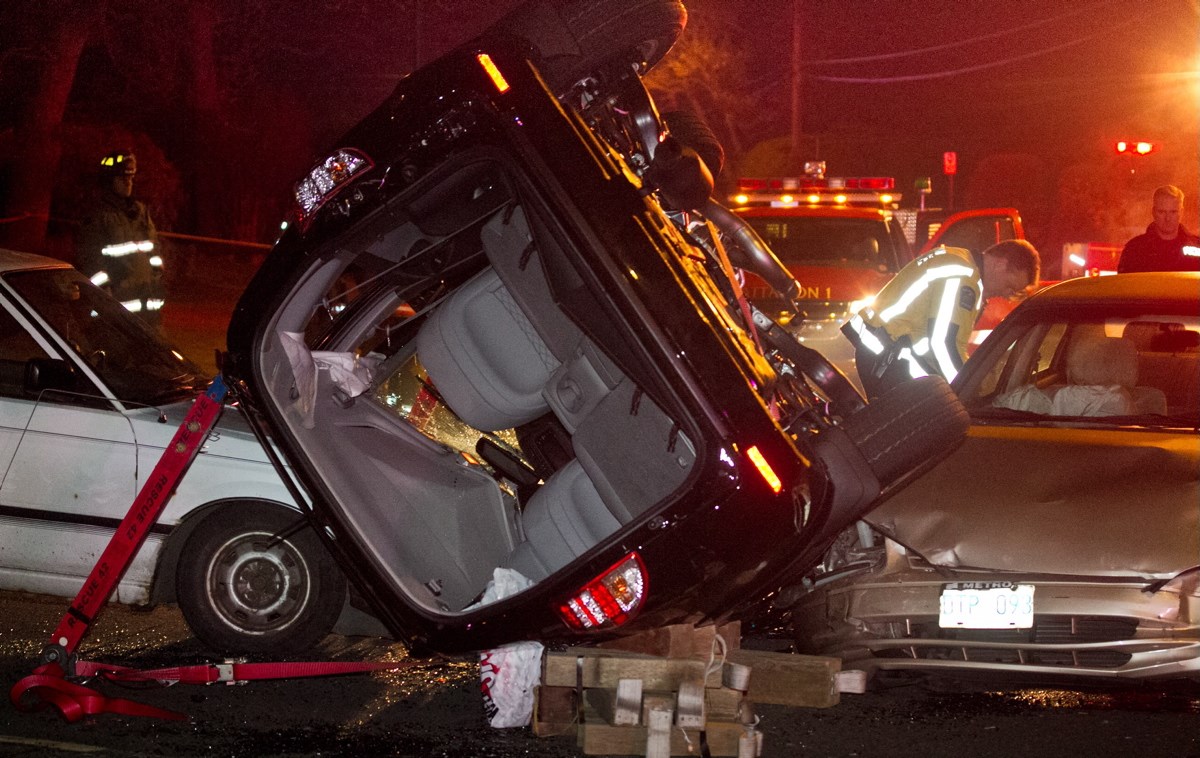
pixel 1156 366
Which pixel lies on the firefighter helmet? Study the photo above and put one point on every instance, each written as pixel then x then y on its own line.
pixel 119 162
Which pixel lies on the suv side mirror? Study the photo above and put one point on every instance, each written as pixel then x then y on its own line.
pixel 48 374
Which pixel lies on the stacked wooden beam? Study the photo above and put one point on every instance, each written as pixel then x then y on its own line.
pixel 669 691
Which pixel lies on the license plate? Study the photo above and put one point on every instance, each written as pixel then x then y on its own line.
pixel 986 605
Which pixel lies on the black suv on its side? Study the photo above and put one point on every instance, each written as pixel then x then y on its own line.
pixel 520 395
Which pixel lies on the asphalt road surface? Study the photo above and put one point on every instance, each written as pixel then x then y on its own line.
pixel 434 708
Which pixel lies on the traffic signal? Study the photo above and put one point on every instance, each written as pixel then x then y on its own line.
pixel 1136 148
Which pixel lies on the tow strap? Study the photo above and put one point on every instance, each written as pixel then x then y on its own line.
pixel 49 685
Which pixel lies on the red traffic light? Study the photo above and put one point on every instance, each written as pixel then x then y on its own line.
pixel 1138 148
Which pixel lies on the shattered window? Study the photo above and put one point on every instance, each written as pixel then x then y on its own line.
pixel 408 393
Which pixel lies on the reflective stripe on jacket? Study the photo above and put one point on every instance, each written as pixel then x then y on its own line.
pixel 926 313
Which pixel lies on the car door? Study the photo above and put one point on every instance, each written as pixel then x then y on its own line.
pixel 69 467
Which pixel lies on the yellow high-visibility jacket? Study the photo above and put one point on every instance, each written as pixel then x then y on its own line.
pixel 928 311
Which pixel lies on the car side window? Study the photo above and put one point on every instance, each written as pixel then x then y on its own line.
pixel 17 347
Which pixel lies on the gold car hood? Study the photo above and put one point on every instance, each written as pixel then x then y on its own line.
pixel 1109 502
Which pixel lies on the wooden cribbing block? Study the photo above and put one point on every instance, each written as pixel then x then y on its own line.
pixel 619 707
pixel 722 704
pixel 809 681
pixel 555 711
pixel 678 640
pixel 604 668
pixel 598 738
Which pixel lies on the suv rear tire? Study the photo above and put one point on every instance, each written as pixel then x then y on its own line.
pixel 908 428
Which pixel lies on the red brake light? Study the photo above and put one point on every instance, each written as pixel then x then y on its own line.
pixel 610 599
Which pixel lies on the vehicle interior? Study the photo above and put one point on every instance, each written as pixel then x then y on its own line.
pixel 1146 365
pixel 463 419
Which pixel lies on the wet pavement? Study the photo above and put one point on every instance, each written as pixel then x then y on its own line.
pixel 434 708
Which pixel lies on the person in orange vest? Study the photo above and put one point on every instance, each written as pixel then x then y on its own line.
pixel 920 322
pixel 118 244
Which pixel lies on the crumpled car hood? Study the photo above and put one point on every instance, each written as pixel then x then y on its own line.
pixel 1080 502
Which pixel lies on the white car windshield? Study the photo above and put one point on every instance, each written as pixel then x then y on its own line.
pixel 1086 364
pixel 129 356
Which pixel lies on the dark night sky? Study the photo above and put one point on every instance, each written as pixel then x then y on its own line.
pixel 1031 74
pixel 1062 81
pixel 895 82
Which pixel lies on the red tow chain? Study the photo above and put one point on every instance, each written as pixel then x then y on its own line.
pixel 48 685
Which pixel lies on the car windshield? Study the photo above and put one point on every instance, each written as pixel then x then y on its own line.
pixel 813 240
pixel 1131 367
pixel 129 356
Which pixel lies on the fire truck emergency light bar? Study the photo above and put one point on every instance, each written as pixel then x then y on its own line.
pixel 791 191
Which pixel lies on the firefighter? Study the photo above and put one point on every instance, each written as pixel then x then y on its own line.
pixel 920 323
pixel 118 244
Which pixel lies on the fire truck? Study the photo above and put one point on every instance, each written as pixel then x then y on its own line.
pixel 843 238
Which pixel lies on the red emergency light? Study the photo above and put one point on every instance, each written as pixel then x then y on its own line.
pixel 1139 148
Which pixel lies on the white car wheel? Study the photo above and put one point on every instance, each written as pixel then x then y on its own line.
pixel 242 590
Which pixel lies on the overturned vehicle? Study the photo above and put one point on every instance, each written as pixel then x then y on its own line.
pixel 501 346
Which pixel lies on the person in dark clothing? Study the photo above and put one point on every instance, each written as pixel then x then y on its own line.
pixel 118 244
pixel 1166 245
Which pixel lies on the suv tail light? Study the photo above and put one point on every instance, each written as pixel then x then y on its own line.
pixel 328 177
pixel 610 599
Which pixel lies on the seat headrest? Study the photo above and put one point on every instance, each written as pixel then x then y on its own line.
pixel 1161 336
pixel 1103 361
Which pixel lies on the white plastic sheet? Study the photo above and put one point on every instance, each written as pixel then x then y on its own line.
pixel 348 372
pixel 509 673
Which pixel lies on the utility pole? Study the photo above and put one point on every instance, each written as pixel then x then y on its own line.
pixel 795 157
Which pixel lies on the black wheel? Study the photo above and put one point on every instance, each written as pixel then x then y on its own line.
pixel 575 37
pixel 908 428
pixel 241 591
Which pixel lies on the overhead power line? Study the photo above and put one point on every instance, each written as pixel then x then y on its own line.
pixel 963 42
pixel 969 69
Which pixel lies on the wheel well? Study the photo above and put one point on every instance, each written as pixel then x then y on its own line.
pixel 163 587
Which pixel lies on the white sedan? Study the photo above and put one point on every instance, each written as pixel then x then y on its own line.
pixel 89 397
